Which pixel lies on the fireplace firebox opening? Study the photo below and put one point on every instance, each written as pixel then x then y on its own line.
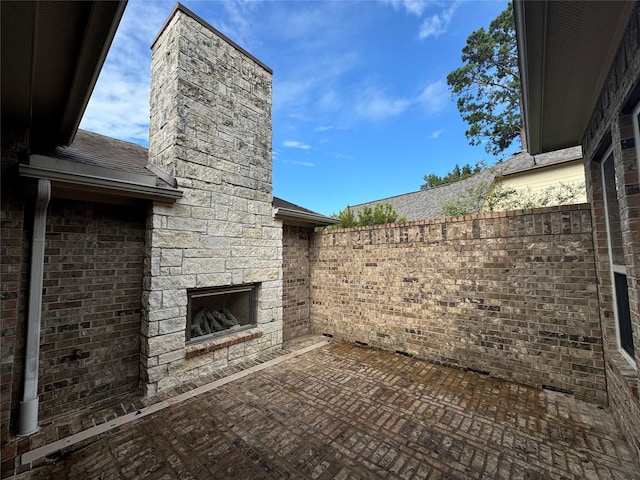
pixel 217 311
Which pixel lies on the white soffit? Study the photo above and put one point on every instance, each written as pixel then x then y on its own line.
pixel 567 49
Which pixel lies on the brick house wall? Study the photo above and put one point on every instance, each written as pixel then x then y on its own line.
pixel 90 333
pixel 611 126
pixel 510 294
pixel 14 275
pixel 92 285
pixel 295 281
pixel 90 329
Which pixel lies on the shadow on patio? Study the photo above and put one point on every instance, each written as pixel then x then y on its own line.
pixel 341 411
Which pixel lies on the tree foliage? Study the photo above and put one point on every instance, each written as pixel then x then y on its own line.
pixel 380 214
pixel 487 86
pixel 468 203
pixel 456 174
pixel 482 197
pixel 501 198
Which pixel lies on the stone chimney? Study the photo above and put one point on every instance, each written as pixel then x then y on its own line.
pixel 210 128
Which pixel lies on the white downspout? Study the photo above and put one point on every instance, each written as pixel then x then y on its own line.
pixel 28 423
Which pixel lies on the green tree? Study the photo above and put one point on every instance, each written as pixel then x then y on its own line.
pixel 487 86
pixel 482 197
pixel 456 174
pixel 501 198
pixel 380 214
pixel 468 203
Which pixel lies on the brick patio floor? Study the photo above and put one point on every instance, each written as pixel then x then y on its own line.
pixel 342 411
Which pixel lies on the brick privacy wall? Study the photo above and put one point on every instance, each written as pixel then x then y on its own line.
pixel 611 125
pixel 295 288
pixel 511 294
pixel 14 275
pixel 211 129
pixel 90 336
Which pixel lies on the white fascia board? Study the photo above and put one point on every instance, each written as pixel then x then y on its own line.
pixel 299 218
pixel 82 177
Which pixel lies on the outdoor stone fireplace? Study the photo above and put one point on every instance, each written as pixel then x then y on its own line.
pixel 212 287
pixel 217 311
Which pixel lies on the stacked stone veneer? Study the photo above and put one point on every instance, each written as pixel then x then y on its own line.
pixel 611 126
pixel 509 294
pixel 211 129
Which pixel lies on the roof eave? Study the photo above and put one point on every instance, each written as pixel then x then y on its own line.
pixel 97 180
pixel 47 83
pixel 559 96
pixel 303 219
pixel 101 30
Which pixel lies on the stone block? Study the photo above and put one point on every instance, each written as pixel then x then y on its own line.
pixel 203 265
pixel 236 351
pixel 214 279
pixel 175 239
pixel 172 325
pixel 170 357
pixel 252 275
pixel 163 314
pixel 165 343
pixel 197 253
pixel 155 374
pixel 198 198
pixel 173 282
pixel 186 224
pixel 171 257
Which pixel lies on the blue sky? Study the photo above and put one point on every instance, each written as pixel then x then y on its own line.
pixel 361 109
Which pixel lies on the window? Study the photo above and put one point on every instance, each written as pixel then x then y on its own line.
pixel 616 257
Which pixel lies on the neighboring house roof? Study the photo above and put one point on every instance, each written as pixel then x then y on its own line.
pixel 426 204
pixel 565 50
pixel 52 53
pixel 525 162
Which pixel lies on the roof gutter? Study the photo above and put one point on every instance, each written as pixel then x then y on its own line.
pixel 90 178
pixel 529 111
pixel 299 218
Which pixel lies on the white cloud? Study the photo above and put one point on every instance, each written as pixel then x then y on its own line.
pixel 323 128
pixel 434 97
pixel 373 104
pixel 437 24
pixel 416 7
pixel 299 163
pixel 435 134
pixel 236 21
pixel 296 144
pixel 119 105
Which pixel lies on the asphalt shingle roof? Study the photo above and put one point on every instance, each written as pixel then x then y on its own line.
pixel 91 148
pixel 427 204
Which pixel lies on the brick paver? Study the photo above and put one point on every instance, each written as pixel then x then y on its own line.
pixel 344 412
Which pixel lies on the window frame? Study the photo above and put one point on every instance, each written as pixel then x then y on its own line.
pixel 613 267
pixel 636 134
